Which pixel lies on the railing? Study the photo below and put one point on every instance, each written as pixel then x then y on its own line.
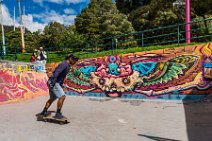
pixel 201 31
pixel 11 54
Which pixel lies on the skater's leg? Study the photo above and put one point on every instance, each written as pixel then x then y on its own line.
pixel 60 103
pixel 58 91
pixel 49 103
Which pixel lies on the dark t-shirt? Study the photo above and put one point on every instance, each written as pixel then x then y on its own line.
pixel 42 56
pixel 60 73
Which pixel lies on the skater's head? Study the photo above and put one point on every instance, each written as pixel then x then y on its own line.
pixel 72 59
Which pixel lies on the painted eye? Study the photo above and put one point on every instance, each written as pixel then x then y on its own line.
pixel 126 80
pixel 102 81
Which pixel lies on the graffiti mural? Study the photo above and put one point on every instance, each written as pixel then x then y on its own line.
pixel 162 74
pixel 20 82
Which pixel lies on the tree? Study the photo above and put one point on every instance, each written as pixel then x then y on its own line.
pixel 127 6
pixel 72 40
pixel 13 41
pixel 102 19
pixel 52 35
pixel 157 13
pixel 202 8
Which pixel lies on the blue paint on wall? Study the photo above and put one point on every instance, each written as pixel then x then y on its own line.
pixel 86 71
pixel 144 68
pixel 208 65
pixel 179 97
pixel 113 69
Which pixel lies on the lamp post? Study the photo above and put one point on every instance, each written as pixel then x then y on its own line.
pixel 2 27
pixel 188 20
pixel 21 27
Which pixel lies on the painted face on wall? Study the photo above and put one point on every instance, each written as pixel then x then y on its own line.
pixel 113 69
pixel 114 87
pixel 146 74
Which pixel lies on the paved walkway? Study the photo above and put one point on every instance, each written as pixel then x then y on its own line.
pixel 108 120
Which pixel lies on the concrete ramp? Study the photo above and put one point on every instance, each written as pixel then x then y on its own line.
pixel 182 73
pixel 21 81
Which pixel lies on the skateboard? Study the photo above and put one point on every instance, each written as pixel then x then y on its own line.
pixel 52 119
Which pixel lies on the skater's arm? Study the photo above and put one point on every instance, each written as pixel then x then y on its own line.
pixel 75 71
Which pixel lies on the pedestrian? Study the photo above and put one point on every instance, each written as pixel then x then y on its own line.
pixel 33 58
pixel 42 56
pixel 55 84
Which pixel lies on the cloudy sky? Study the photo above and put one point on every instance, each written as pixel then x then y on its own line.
pixel 39 13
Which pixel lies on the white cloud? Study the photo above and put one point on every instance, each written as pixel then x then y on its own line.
pixel 56 1
pixel 7 19
pixel 45 18
pixel 40 2
pixel 53 16
pixel 75 1
pixel 27 20
pixel 60 1
pixel 31 25
pixel 69 19
pixel 69 11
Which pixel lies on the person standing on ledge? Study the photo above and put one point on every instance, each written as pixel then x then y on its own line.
pixel 55 83
pixel 42 55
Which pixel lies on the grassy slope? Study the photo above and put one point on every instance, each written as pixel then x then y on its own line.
pixel 59 56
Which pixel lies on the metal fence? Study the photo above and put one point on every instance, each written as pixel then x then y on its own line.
pixel 201 31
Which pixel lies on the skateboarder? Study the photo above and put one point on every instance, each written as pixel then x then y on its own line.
pixel 55 83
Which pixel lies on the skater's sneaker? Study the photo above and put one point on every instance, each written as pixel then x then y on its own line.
pixel 44 113
pixel 59 115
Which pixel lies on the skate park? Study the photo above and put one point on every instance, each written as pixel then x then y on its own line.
pixel 152 83
pixel 120 76
pixel 97 116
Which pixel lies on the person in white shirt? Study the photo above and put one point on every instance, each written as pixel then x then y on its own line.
pixel 42 56
pixel 41 60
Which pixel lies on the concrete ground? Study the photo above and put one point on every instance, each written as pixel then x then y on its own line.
pixel 108 120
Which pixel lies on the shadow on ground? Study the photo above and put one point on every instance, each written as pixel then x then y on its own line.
pixel 154 138
pixel 199 119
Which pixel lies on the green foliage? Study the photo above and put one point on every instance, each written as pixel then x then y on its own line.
pixel 72 40
pixel 157 13
pixel 13 41
pixel 102 19
pixel 59 37
pixel 58 56
pixel 127 6
pixel 52 35
pixel 55 37
pixel 202 7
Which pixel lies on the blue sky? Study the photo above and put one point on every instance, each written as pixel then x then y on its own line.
pixel 39 13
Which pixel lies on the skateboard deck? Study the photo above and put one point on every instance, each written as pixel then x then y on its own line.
pixel 52 119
